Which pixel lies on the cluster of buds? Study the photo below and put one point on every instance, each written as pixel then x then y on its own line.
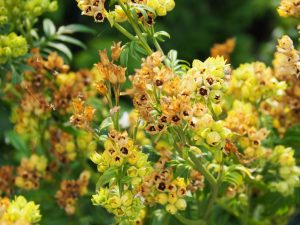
pixel 70 191
pixel 14 11
pixel 255 82
pixel 209 80
pixel 287 60
pixel 125 205
pixel 6 180
pixel 62 145
pixel 25 125
pixel 285 109
pixel 12 46
pixel 45 99
pixel 96 9
pixel 19 211
pixel 30 171
pixel 161 7
pixel 121 154
pixel 4 13
pixel 83 115
pixel 213 133
pixel 284 166
pixel 242 120
pixel 53 64
pixel 162 188
pixel 289 8
pixel 109 71
pixel 120 150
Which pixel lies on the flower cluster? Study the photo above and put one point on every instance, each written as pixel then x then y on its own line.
pixel 243 121
pixel 12 46
pixel 163 188
pixel 164 99
pixel 111 72
pixel 31 171
pixel 199 135
pixel 18 211
pixel 70 190
pixel 285 109
pixel 62 145
pixel 289 8
pixel 125 205
pixel 255 82
pixel 127 160
pixel 287 60
pixel 93 8
pixel 96 8
pixel 83 115
pixel 161 7
pixel 15 12
pixel 283 164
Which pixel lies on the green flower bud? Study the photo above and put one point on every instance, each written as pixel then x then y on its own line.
pixel 181 204
pixel 162 198
pixel 217 109
pixel 114 202
pixel 171 209
pixel 127 198
pixel 215 96
pixel 213 138
pixel 132 171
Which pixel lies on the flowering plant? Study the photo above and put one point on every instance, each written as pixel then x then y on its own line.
pixel 203 143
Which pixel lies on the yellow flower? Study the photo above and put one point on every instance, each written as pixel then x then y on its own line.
pixel 289 8
pixel 171 209
pixel 161 6
pixel 181 204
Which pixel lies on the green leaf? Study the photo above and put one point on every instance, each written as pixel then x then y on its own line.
pixel 234 178
pixel 62 48
pixel 124 56
pixel 15 76
pixel 71 40
pixel 172 55
pixel 160 34
pixel 74 28
pixel 15 140
pixel 107 176
pixel 49 27
pixel 106 123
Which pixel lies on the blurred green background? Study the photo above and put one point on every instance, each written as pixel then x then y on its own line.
pixel 194 26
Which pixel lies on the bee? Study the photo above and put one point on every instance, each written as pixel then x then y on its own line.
pixel 230 148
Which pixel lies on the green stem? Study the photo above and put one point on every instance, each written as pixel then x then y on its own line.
pixel 209 177
pixel 188 221
pixel 136 29
pixel 215 192
pixel 136 129
pixel 116 90
pixel 125 32
pixel 155 42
